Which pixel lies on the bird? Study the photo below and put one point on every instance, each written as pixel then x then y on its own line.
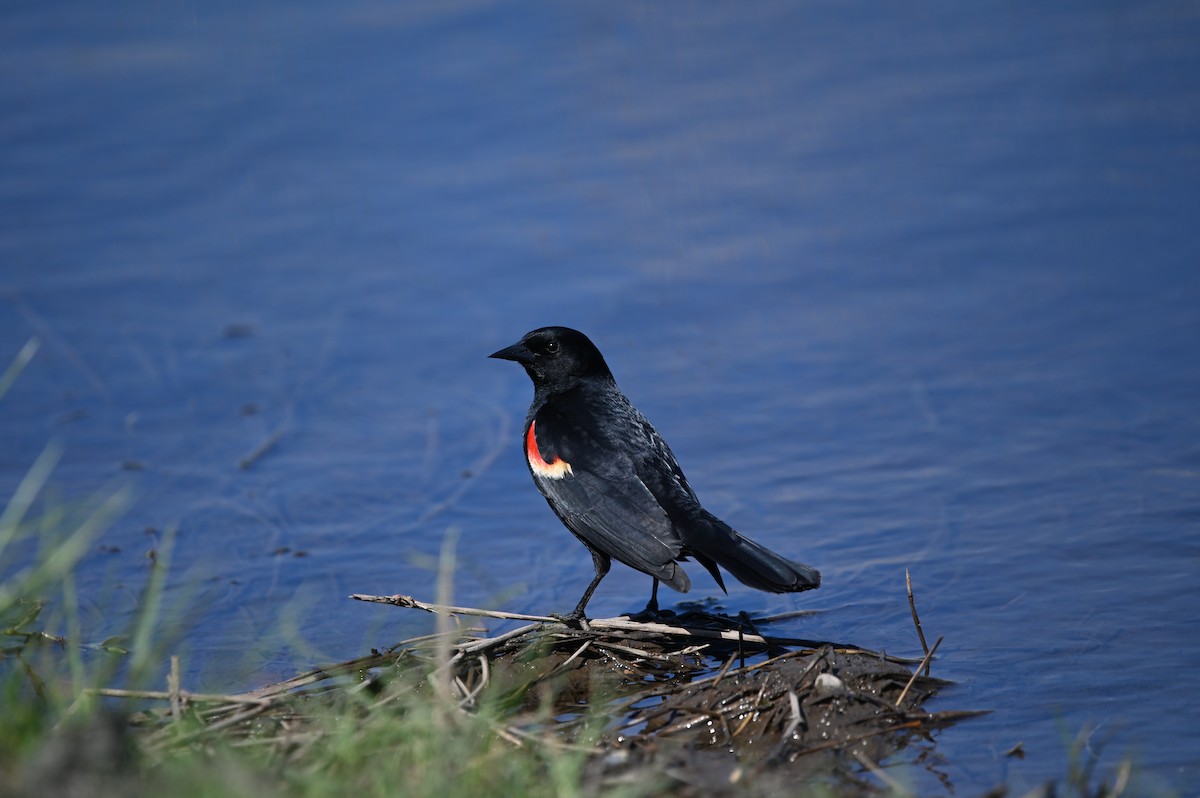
pixel 612 480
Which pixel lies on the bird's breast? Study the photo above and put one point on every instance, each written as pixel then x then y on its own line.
pixel 556 468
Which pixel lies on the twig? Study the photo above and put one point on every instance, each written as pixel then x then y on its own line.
pixel 692 714
pixel 912 605
pixel 637 652
pixel 724 670
pixel 409 602
pixel 566 664
pixel 755 704
pixel 492 642
pixel 321 674
pixel 522 735
pixel 924 664
pixel 896 787
pixel 485 677
pixel 733 635
pixel 812 666
pixel 232 720
pixel 411 643
pixel 506 735
pixel 850 741
pixel 182 695
pixel 797 715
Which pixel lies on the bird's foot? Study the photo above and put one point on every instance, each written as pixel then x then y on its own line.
pixel 575 620
pixel 649 613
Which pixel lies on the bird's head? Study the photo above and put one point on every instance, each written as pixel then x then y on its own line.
pixel 556 358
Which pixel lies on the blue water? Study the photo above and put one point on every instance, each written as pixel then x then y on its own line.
pixel 904 287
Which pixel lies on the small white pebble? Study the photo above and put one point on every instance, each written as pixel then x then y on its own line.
pixel 827 684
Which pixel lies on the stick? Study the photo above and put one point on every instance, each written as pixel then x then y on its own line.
pixel 733 635
pixel 894 786
pixel 565 664
pixel 924 664
pixel 411 603
pixel 167 695
pixel 912 605
pixel 491 642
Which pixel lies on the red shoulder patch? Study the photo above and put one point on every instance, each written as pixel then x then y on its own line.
pixel 551 469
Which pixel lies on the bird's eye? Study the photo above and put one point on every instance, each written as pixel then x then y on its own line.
pixel 552 347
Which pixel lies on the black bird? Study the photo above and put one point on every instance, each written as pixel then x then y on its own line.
pixel 611 478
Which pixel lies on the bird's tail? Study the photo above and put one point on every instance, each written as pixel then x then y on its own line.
pixel 752 564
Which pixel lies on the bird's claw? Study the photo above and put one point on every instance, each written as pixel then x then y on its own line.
pixel 575 620
pixel 650 612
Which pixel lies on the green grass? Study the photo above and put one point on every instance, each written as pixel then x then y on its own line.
pixel 386 736
pixel 408 745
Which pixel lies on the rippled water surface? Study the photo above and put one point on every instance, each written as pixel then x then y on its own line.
pixel 904 287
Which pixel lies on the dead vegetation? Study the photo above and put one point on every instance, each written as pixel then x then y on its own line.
pixel 699 704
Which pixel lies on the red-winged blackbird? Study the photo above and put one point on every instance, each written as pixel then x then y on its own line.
pixel 611 478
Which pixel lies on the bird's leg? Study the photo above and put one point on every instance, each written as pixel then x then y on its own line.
pixel 652 604
pixel 650 612
pixel 602 563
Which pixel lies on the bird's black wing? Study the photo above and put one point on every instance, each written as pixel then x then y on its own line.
pixel 584 468
pixel 709 539
pixel 658 470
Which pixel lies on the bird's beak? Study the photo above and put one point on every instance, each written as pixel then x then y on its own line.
pixel 518 353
